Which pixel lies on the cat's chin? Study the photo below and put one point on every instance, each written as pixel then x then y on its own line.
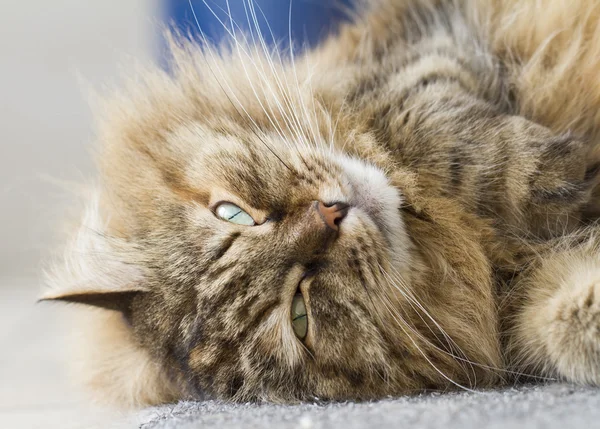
pixel 375 196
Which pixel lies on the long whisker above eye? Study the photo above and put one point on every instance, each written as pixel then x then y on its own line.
pixel 310 120
pixel 291 125
pixel 286 108
pixel 285 89
pixel 253 125
pixel 292 120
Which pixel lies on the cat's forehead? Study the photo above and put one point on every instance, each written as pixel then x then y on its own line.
pixel 263 169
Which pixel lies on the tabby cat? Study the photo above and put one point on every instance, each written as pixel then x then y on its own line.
pixel 410 206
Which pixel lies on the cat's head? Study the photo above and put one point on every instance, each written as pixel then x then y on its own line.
pixel 251 255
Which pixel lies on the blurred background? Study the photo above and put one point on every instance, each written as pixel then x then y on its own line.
pixel 44 119
pixel 48 49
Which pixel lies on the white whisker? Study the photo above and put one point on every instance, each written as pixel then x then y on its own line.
pixel 293 122
pixel 254 126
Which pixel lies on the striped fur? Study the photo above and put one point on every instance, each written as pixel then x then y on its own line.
pixel 463 134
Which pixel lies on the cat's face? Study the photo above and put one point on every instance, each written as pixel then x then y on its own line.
pixel 260 260
pixel 244 238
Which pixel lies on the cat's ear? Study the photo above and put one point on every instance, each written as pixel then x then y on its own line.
pixel 96 268
pixel 120 301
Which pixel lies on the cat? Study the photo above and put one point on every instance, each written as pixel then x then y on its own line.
pixel 410 206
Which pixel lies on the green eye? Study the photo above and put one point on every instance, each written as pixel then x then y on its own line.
pixel 232 213
pixel 299 317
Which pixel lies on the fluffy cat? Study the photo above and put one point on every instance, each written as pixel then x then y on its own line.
pixel 412 205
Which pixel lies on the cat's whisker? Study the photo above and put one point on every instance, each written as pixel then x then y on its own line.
pixel 269 114
pixel 402 287
pixel 483 366
pixel 403 327
pixel 398 318
pixel 375 313
pixel 452 344
pixel 254 126
pixel 289 92
pixel 312 121
pixel 458 358
pixel 292 123
pixel 264 80
pixel 291 126
pixel 309 78
pixel 254 44
pixel 291 120
pixel 385 300
pixel 416 305
pixel 337 119
pixel 308 121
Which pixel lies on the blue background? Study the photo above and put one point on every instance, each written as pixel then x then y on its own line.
pixel 311 20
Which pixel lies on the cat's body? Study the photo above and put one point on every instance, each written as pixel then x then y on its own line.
pixel 462 250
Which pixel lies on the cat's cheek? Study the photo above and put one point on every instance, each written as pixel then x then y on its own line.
pixel 356 224
pixel 276 338
pixel 372 192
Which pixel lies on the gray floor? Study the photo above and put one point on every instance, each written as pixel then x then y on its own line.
pixel 35 392
pixel 552 406
pixel 35 388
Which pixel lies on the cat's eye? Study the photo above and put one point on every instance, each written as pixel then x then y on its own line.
pixel 232 213
pixel 299 317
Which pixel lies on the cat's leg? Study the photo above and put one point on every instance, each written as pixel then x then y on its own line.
pixel 554 328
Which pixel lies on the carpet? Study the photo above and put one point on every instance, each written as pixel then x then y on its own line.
pixel 551 406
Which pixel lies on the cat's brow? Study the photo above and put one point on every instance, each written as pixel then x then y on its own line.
pixel 253 126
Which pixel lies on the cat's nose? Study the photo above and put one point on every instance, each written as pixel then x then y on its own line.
pixel 332 214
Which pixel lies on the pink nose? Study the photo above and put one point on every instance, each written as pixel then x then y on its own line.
pixel 333 214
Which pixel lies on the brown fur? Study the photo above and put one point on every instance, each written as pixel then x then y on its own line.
pixel 464 137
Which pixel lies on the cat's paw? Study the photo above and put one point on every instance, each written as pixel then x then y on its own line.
pixel 573 341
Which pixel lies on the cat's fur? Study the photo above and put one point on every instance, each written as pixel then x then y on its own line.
pixel 465 137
